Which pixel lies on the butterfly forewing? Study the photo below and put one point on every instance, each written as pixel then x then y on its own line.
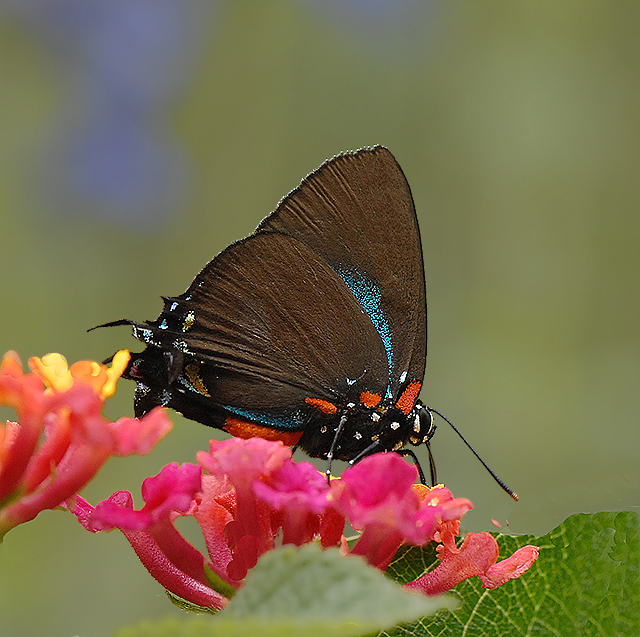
pixel 268 331
pixel 356 212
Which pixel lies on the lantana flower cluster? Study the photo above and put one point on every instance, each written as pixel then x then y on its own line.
pixel 248 496
pixel 61 439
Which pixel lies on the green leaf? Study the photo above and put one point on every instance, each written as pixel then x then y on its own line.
pixel 586 583
pixel 313 589
pixel 304 591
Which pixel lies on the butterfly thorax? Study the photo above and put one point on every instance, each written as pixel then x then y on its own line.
pixel 376 429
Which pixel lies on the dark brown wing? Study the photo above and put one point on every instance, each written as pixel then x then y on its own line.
pixel 325 301
pixel 356 212
pixel 271 324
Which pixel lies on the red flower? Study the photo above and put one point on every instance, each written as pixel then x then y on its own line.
pixel 254 492
pixel 61 440
pixel 476 556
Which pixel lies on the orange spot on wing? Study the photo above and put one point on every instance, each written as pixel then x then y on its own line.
pixel 409 396
pixel 323 405
pixel 244 429
pixel 370 400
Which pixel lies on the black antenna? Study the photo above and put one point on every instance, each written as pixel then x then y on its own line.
pixel 512 493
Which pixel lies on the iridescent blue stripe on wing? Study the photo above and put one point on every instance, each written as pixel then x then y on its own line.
pixel 293 421
pixel 369 297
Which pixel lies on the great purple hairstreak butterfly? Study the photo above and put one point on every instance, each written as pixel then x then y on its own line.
pixel 312 330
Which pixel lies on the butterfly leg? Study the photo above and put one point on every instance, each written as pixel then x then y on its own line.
pixel 332 449
pixel 412 455
pixel 364 453
pixel 432 465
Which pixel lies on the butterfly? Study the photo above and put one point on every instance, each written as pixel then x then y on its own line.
pixel 312 330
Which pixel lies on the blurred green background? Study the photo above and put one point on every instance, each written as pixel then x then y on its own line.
pixel 136 143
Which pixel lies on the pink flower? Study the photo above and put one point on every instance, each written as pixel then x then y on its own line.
pixel 61 440
pixel 213 510
pixel 170 559
pixel 171 491
pixel 251 492
pixel 390 512
pixel 476 556
pixel 244 462
pixel 270 493
pixel 299 492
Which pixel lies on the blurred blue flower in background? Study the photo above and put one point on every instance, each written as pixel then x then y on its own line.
pixel 121 63
pixel 120 66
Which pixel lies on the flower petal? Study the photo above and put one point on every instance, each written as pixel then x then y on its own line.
pixel 511 567
pixel 140 435
pixel 243 462
pixel 476 556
